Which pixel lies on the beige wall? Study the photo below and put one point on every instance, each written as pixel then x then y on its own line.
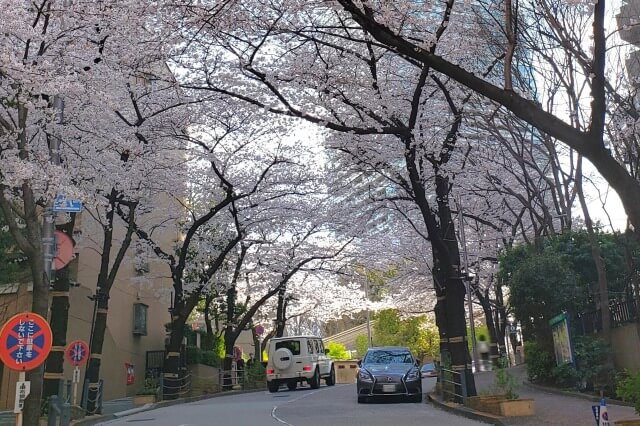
pixel 120 345
pixel 625 341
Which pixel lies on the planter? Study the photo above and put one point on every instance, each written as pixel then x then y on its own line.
pixel 500 406
pixel 517 407
pixel 483 402
pixel 627 422
pixel 144 399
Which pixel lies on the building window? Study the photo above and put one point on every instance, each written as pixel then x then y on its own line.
pixel 140 319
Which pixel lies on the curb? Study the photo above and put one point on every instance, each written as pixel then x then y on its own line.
pixel 467 412
pixel 575 394
pixel 89 421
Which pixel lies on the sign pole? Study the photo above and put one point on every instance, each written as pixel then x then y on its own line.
pixel 22 377
pixel 76 379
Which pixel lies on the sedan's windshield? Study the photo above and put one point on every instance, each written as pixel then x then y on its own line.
pixel 388 357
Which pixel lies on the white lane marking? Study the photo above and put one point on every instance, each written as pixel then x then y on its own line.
pixel 275 407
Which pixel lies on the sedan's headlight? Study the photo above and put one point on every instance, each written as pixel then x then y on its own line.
pixel 365 376
pixel 412 376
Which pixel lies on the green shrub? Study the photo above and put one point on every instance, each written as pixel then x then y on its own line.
pixel 210 358
pixel 592 363
pixel 337 351
pixel 193 355
pixel 505 383
pixel 565 375
pixel 540 363
pixel 257 373
pixel 151 387
pixel 628 388
pixel 196 355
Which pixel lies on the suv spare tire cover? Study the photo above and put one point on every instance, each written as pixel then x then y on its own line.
pixel 282 358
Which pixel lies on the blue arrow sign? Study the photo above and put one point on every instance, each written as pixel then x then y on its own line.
pixel 61 204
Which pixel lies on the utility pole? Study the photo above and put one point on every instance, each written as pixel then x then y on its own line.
pixel 467 283
pixel 59 301
pixel 49 223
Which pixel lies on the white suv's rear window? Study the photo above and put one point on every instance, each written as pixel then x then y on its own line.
pixel 292 345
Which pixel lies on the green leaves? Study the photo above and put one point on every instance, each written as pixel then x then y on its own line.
pixel 416 333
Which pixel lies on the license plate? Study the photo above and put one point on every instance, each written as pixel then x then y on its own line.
pixel 388 388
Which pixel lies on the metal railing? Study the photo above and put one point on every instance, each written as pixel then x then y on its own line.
pixel 622 311
pixel 453 385
pixel 95 402
pixel 58 408
pixel 177 387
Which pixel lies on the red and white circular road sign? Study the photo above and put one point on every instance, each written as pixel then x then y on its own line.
pixel 25 341
pixel 77 352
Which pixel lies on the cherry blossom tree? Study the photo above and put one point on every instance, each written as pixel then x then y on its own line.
pixel 58 60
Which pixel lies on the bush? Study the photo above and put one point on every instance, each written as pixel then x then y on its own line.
pixel 210 358
pixel 337 351
pixel 151 387
pixel 196 355
pixel 505 383
pixel 256 374
pixel 540 363
pixel 193 355
pixel 628 388
pixel 565 375
pixel 592 363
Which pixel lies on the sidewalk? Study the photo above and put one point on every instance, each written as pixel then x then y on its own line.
pixel 552 407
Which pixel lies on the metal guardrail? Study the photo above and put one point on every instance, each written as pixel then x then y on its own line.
pixel 177 387
pixel 58 409
pixel 458 380
pixel 95 389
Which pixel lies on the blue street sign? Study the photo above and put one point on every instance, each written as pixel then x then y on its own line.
pixel 61 204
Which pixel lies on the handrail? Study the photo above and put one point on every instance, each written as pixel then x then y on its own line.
pixel 448 376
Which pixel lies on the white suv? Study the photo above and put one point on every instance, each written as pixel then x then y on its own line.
pixel 297 359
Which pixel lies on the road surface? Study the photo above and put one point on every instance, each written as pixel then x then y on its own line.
pixel 330 406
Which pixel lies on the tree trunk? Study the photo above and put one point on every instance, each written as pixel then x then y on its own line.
pixel 281 311
pixel 101 306
pixel 257 354
pixel 596 254
pixel 208 340
pixel 54 366
pixel 172 374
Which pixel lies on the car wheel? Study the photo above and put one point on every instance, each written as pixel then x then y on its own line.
pixel 282 358
pixel 273 386
pixel 292 385
pixel 362 399
pixel 315 380
pixel 331 380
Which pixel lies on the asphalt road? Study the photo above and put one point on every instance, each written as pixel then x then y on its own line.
pixel 330 406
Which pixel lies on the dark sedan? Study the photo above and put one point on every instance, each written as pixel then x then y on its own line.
pixel 388 371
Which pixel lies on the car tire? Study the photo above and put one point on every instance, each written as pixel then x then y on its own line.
pixel 292 385
pixel 282 359
pixel 273 386
pixel 314 382
pixel 362 399
pixel 331 380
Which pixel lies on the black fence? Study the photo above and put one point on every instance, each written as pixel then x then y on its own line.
pixel 621 312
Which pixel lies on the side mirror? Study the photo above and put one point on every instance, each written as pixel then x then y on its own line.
pixel 417 363
pixel 359 363
pixel 326 351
